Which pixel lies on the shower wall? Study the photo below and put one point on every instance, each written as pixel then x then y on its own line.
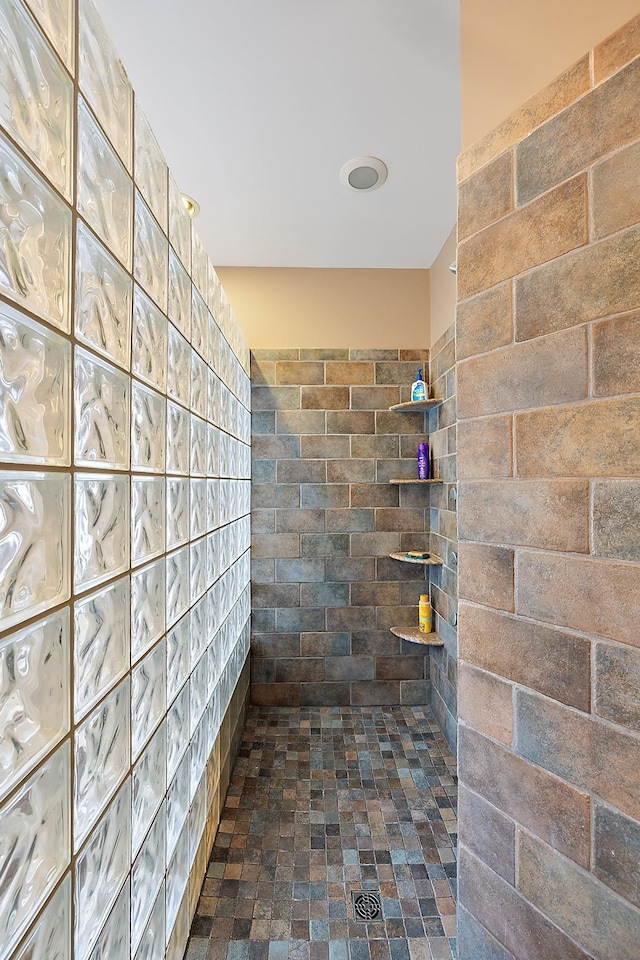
pixel 124 502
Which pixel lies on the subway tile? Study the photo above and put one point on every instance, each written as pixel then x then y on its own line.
pixel 263 471
pixel 576 901
pixel 323 447
pixel 349 520
pixel 485 702
pixel 324 545
pixel 616 50
pixel 275 545
pixel 298 520
pixel 372 544
pixel 373 495
pixel 485 197
pixel 370 354
pixel 350 372
pixel 415 692
pixel 275 694
pixel 484 448
pixel 488 834
pixel 263 422
pixel 444 359
pixel 263 521
pixel 275 645
pixel 472 936
pixel 389 569
pixel 375 594
pixel 262 571
pixel 275 398
pixel 324 694
pixel 411 592
pixel 350 421
pixel 374 398
pixel 325 644
pixel 617 852
pixel 615 356
pixel 549 227
pixel 275 595
pixel 553 514
pixel 299 570
pixel 375 643
pixel 324 594
pixel 551 809
pixel 407 468
pixel 585 285
pixel 617 682
pixel 263 621
pixel 616 192
pixel 536 373
pixel 299 669
pixel 349 668
pixel 263 372
pixel 387 421
pixel 563 146
pixel 378 446
pixel 301 471
pixel 395 372
pixel 409 444
pixel 295 372
pixel 268 495
pixel 300 421
pixel 273 447
pixel 400 668
pixel 351 569
pixel 396 616
pixel 351 471
pixel 400 519
pixel 616 519
pixel 324 495
pixel 324 353
pixel 272 355
pixel 381 692
pixel 555 663
pixel 350 618
pixel 485 574
pixel 299 620
pixel 325 398
pixel 263 670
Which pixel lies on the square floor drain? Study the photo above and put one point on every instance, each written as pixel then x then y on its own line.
pixel 366 905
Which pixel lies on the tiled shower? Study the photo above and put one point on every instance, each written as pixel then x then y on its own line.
pixel 124 511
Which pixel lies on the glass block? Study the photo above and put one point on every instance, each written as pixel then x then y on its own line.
pixel 198 751
pixel 177 804
pixel 147 518
pixel 197 818
pixel 178 588
pixel 213 505
pixel 150 254
pixel 35 383
pixel 101 759
pixel 213 451
pixel 101 870
pixel 177 730
pixel 199 371
pixel 178 662
pixel 105 190
pixel 199 324
pixel 152 944
pixel 147 607
pixel 148 696
pixel 198 447
pixel 178 933
pixel 148 785
pixel 56 17
pixel 101 643
pixel 179 295
pixel 179 367
pixel 198 508
pixel 51 937
pixel 34 544
pixel 34 695
pixel 199 630
pixel 177 511
pixel 177 876
pixel 198 569
pixel 35 243
pixel 178 424
pixel 150 169
pixel 199 698
pixel 34 844
pixel 114 941
pixel 102 413
pixel 102 300
pixel 148 413
pixel 149 341
pixel 101 528
pixel 179 225
pixel 103 80
pixel 199 263
pixel 147 874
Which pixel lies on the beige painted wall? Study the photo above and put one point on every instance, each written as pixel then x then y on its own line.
pixel 443 289
pixel 510 49
pixel 296 307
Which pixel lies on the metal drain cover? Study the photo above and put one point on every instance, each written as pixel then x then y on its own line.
pixel 366 905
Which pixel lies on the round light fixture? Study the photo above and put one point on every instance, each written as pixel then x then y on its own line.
pixel 190 205
pixel 363 173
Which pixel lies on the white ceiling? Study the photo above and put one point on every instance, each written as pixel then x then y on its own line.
pixel 257 104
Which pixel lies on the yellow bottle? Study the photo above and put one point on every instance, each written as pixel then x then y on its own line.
pixel 424 613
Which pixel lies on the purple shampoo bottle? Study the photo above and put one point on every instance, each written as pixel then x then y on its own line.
pixel 423 461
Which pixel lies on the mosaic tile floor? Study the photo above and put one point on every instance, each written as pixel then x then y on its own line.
pixel 324 801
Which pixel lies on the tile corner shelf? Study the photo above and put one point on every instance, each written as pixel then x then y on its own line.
pixel 431 561
pixel 402 480
pixel 415 635
pixel 410 406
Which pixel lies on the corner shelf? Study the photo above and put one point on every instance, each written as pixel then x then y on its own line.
pixel 431 561
pixel 403 480
pixel 415 635
pixel 409 405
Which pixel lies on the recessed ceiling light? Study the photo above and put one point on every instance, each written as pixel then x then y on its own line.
pixel 190 205
pixel 363 173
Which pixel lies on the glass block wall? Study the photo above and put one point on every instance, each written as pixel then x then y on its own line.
pixel 124 509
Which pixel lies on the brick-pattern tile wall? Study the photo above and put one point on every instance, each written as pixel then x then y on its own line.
pixel 325 519
pixel 443 538
pixel 548 344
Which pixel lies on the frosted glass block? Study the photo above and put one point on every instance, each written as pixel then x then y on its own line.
pixel 34 695
pixel 101 643
pixel 178 424
pixel 36 95
pixel 179 367
pixel 101 759
pixel 214 618
pixel 198 447
pixel 34 844
pixel 177 804
pixel 147 875
pixel 179 934
pixel 149 341
pixel 178 589
pixel 147 607
pixel 101 870
pixel 198 750
pixel 179 295
pixel 148 696
pixel 51 937
pixel 101 528
pixel 103 80
pixel 198 569
pixel 213 451
pixel 103 299
pixel 177 730
pixel 35 242
pixel 178 662
pixel 213 505
pixel 56 17
pixel 152 944
pixel 177 876
pixel 198 385
pixel 102 413
pixel 177 511
pixel 199 263
pixel 198 508
pixel 114 941
pixel 148 785
pixel 179 225
pixel 150 169
pixel 148 413
pixel 35 384
pixel 147 518
pixel 199 698
pixel 199 324
pixel 197 818
pixel 150 254
pixel 34 544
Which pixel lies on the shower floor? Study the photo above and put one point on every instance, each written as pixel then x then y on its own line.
pixel 324 801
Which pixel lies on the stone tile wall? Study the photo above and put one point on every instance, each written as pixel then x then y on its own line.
pixel 325 519
pixel 548 341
